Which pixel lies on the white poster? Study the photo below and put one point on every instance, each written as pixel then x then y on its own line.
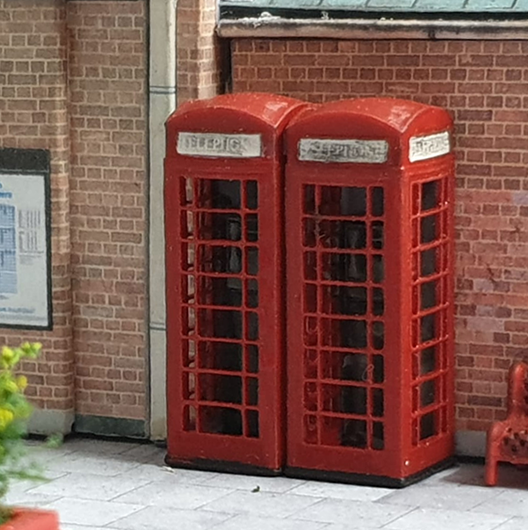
pixel 24 282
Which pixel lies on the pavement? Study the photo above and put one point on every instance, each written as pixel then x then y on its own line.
pixel 95 484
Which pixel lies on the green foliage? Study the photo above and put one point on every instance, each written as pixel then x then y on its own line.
pixel 54 441
pixel 14 413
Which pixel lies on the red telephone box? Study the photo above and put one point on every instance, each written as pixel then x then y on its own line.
pixel 224 252
pixel 369 239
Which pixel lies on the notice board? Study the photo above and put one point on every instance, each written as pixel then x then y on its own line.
pixel 25 253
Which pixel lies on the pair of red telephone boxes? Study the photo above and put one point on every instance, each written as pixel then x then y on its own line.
pixel 309 259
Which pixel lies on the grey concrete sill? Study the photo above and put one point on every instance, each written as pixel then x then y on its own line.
pixel 277 27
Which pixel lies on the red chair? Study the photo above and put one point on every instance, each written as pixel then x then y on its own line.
pixel 508 439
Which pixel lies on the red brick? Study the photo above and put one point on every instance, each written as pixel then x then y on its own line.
pixel 485 87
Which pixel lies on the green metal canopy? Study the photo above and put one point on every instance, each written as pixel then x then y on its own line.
pixel 504 7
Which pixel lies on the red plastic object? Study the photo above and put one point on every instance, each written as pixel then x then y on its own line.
pixel 508 439
pixel 32 519
pixel 224 257
pixel 369 239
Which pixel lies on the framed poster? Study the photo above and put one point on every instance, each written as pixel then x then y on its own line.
pixel 25 253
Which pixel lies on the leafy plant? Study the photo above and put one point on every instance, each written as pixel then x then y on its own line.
pixel 14 413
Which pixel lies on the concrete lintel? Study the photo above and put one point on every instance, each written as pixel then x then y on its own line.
pixel 49 422
pixel 470 443
pixel 105 426
pixel 277 27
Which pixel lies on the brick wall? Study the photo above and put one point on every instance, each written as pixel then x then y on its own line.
pixel 33 114
pixel 73 80
pixel 485 86
pixel 108 205
pixel 199 55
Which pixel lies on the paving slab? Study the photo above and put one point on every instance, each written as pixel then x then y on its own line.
pixel 96 485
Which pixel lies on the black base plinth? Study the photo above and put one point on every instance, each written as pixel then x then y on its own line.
pixel 367 480
pixel 222 466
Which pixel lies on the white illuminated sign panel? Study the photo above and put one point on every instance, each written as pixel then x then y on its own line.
pixel 219 145
pixel 344 151
pixel 426 147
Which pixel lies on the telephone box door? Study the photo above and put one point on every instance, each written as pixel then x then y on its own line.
pixel 223 192
pixel 360 408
